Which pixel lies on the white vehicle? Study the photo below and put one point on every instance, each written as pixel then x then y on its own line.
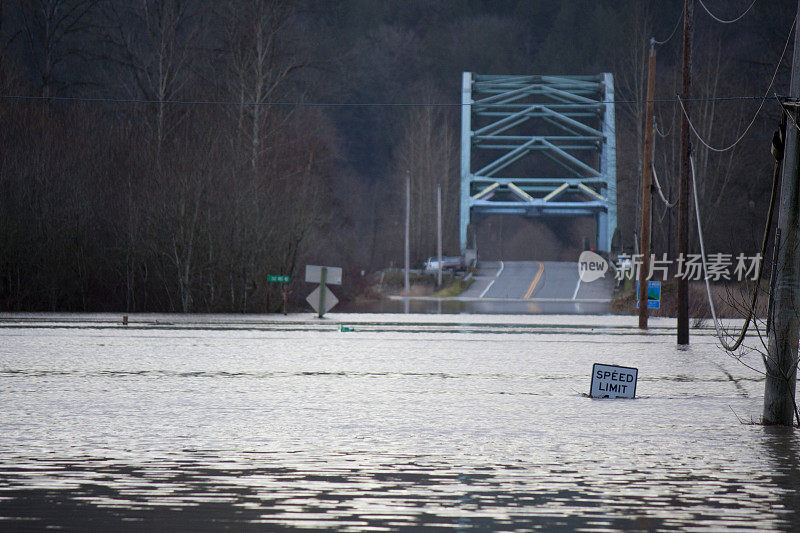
pixel 453 264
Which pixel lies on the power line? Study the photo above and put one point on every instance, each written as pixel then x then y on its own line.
pixel 760 106
pixel 731 347
pixel 661 133
pixel 731 21
pixel 677 23
pixel 286 103
pixel 667 203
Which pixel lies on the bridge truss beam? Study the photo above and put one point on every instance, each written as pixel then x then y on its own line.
pixel 539 146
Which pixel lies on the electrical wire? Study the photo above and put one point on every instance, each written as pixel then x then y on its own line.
pixel 731 21
pixel 663 215
pixel 750 315
pixel 667 203
pixel 111 100
pixel 677 23
pixel 760 106
pixel 661 133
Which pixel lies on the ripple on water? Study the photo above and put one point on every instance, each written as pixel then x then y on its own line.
pixel 407 427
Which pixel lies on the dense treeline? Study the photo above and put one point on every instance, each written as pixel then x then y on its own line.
pixel 174 152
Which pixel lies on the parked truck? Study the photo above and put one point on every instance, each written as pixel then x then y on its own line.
pixel 449 264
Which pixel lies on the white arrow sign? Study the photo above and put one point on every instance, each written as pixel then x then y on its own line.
pixel 315 301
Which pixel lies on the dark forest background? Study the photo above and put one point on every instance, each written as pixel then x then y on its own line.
pixel 142 177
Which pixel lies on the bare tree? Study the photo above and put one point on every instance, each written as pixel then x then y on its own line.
pixel 631 82
pixel 193 177
pixel 153 41
pixel 428 154
pixel 52 29
pixel 259 60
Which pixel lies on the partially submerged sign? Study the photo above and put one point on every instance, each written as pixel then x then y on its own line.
pixel 611 381
pixel 333 275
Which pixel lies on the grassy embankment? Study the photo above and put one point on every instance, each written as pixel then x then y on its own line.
pixel 392 283
pixel 731 299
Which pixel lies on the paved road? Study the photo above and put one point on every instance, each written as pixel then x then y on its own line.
pixel 536 281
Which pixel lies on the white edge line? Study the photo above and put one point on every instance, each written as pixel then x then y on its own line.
pixel 489 286
pixel 497 275
pixel 578 286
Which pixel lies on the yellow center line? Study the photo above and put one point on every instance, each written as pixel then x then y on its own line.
pixel 535 280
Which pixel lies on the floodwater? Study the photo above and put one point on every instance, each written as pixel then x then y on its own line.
pixel 472 306
pixel 408 421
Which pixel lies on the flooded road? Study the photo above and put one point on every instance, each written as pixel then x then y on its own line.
pixel 459 305
pixel 538 282
pixel 407 421
pixel 508 287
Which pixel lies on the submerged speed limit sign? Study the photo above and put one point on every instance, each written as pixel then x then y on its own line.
pixel 611 381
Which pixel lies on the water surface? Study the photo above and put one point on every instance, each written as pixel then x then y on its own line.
pixel 409 421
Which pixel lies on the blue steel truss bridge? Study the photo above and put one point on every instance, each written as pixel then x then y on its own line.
pixel 539 146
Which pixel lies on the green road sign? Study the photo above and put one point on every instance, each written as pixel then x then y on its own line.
pixel 278 279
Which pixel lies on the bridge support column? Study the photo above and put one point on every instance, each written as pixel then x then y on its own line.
pixel 602 231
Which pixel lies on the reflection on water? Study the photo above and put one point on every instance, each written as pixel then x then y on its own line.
pixel 417 425
pixel 474 306
pixel 359 490
pixel 782 446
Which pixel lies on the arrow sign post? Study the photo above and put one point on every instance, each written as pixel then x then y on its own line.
pixel 322 299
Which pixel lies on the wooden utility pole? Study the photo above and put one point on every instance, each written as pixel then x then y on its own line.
pixel 781 361
pixel 439 233
pixel 647 180
pixel 683 184
pixel 408 231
